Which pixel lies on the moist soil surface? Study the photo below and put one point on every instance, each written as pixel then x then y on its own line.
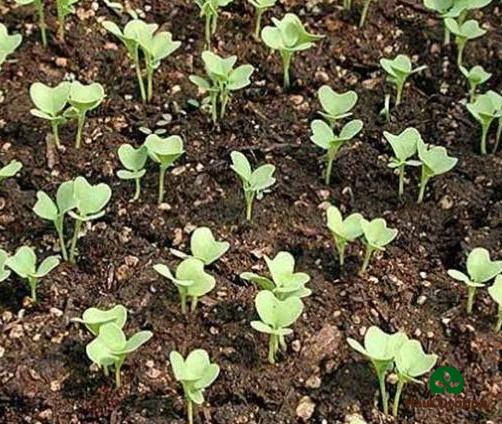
pixel 45 374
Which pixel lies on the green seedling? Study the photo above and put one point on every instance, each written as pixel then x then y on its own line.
pixel 94 318
pixel 10 170
pixel 336 106
pixel 475 76
pixel 83 98
pixel 376 236
pixel 441 7
pixel 398 70
pixel 50 103
pixel 223 80
pixel 344 231
pixel 480 270
pixel 39 6
pixel 205 247
pixel 380 349
pixel 435 161
pixel 195 373
pixel 495 292
pixel 485 110
pixel 140 36
pixel 411 362
pixel 209 10
pixel 110 347
pixel 261 6
pixel 64 8
pixel 288 36
pixel 24 264
pixel 55 212
pixel 254 183
pixel 134 161
pixel 4 272
pixel 275 318
pixel 496 99
pixel 8 43
pixel 324 137
pixel 164 151
pixel 285 282
pixel 90 201
pixel 364 13
pixel 463 32
pixel 404 146
pixel 347 4
pixel 191 281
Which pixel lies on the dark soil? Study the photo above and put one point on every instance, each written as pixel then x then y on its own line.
pixel 45 374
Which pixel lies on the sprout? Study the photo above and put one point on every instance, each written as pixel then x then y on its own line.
pixel 50 103
pixel 10 170
pixel 223 79
pixel 324 137
pixel 205 247
pixel 288 36
pixel 260 6
pixel 24 264
pixel 138 35
pixel 376 236
pixel 411 362
pixel 480 270
pixel 380 349
pixel 8 43
pixel 435 161
pixel 90 201
pixel 164 151
pixel 495 292
pixel 275 318
pixel 209 9
pixel 254 183
pixel 49 210
pixel 364 12
pixel 343 230
pixel 83 98
pixel 336 106
pixel 476 76
pixel 285 282
pixel 195 373
pixel 64 8
pixel 39 5
pixel 485 110
pixel 111 347
pixel 134 161
pixel 191 281
pixel 463 32
pixel 496 99
pixel 398 70
pixel 4 273
pixel 404 146
pixel 347 4
pixel 94 318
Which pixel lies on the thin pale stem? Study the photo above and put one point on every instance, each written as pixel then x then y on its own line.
pixel 471 294
pixel 149 78
pixel 399 92
pixel 33 289
pixel 55 133
pixel 498 136
pixel 60 231
pixel 41 18
pixel 367 257
pixel 286 63
pixel 224 102
pixel 137 192
pixel 249 197
pixel 80 129
pixel 401 181
pixel 364 13
pixel 484 136
pixel 139 76
pixel 446 38
pixel 340 248
pixel 423 184
pixel 498 326
pixel 259 13
pixel 207 30
pixel 272 348
pixel 73 246
pixel 214 107
pixel 460 53
pixel 195 300
pixel 106 372
pixel 190 411
pixel 117 376
pixel 329 167
pixel 60 14
pixel 162 175
pixel 183 302
pixel 347 4
pixel 397 398
pixel 383 393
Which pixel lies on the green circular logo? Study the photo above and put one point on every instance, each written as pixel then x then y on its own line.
pixel 446 379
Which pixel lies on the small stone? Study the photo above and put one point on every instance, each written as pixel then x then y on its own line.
pixel 296 99
pixel 354 419
pixel 417 332
pixel 164 207
pixel 62 62
pixel 16 332
pixel 55 386
pixel 56 312
pixel 313 382
pixel 421 300
pixel 305 408
pixel 46 414
pixel 356 320
pixel 446 202
pixel 296 345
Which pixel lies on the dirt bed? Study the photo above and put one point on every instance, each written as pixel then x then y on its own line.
pixel 44 372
